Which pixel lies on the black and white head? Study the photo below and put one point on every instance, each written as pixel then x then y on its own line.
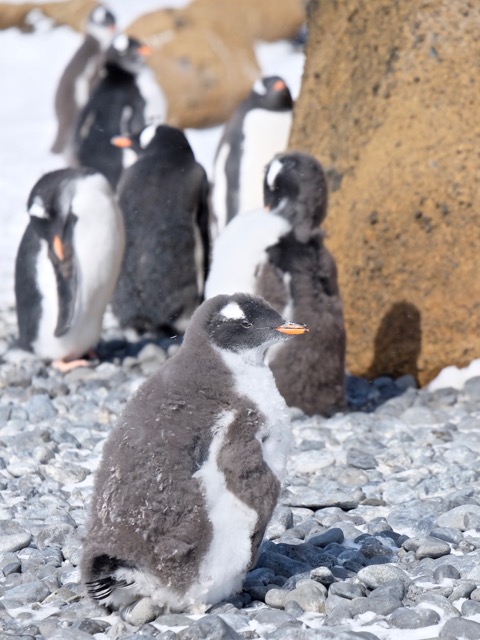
pixel 101 25
pixel 157 139
pixel 241 324
pixel 127 53
pixel 295 186
pixel 271 93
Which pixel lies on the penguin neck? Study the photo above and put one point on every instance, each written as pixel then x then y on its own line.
pixel 116 72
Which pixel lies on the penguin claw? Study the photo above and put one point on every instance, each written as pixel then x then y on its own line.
pixel 65 367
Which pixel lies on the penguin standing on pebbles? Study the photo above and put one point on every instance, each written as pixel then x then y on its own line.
pixel 164 200
pixel 190 477
pixel 278 253
pixel 82 73
pixel 67 264
pixel 123 101
pixel 259 128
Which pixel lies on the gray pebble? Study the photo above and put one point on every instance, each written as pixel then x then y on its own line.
pixel 470 608
pixel 458 628
pixel 347 590
pixel 310 595
pixel 446 571
pixel 377 575
pixel 381 605
pixel 140 612
pixel 211 627
pixel 34 591
pixel 413 618
pixel 40 407
pixel 455 518
pixel 334 534
pixel 281 520
pixel 13 537
pixel 432 548
pixel 360 459
pixel 322 575
pixel 449 534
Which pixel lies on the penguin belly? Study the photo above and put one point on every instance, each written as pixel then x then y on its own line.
pixel 98 244
pixel 220 189
pixel 265 134
pixel 240 250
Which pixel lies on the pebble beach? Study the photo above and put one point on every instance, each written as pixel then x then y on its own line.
pixel 376 536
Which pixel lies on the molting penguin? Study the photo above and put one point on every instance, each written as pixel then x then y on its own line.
pixel 81 74
pixel 123 101
pixel 259 128
pixel 67 263
pixel 190 477
pixel 279 253
pixel 164 200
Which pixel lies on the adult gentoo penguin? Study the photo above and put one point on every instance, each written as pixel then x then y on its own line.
pixel 123 101
pixel 278 252
pixel 81 73
pixel 258 129
pixel 190 477
pixel 164 200
pixel 67 264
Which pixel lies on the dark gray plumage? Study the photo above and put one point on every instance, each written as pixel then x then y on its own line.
pixel 190 477
pixel 164 200
pixel 250 138
pixel 81 74
pixel 300 275
pixel 115 106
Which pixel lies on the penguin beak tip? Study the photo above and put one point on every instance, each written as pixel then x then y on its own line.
pixel 292 329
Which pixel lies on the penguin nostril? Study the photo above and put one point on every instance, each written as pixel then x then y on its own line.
pixel 246 325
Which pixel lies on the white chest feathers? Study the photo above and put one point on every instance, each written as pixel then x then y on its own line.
pixel 265 134
pixel 255 381
pixel 240 250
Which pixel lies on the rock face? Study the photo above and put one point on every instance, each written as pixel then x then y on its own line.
pixel 73 13
pixel 203 54
pixel 389 105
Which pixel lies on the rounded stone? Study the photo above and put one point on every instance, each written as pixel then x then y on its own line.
pixel 460 628
pixel 413 619
pixel 375 576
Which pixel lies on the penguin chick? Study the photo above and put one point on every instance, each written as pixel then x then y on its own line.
pixel 299 278
pixel 278 252
pixel 122 102
pixel 259 128
pixel 189 478
pixel 67 263
pixel 164 200
pixel 81 74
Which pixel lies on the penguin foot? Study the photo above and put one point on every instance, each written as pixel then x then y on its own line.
pixel 65 367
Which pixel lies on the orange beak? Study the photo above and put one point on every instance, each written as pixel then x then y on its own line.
pixel 279 85
pixel 58 248
pixel 292 329
pixel 121 141
pixel 144 50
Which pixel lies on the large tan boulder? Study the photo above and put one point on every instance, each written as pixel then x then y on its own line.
pixel 389 105
pixel 204 54
pixel 72 13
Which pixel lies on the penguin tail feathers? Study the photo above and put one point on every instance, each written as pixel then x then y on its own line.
pixel 103 582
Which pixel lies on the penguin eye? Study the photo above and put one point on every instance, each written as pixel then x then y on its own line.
pixel 246 324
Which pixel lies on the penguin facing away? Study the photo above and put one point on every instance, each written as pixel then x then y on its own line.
pixel 67 264
pixel 81 74
pixel 258 129
pixel 278 253
pixel 119 104
pixel 164 200
pixel 190 477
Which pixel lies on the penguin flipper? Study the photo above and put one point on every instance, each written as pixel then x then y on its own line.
pixel 204 218
pixel 63 260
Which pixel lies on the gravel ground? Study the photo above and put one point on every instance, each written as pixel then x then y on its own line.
pixel 377 534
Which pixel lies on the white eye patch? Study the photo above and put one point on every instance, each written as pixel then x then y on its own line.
pixel 259 88
pixel 37 208
pixel 233 311
pixel 99 15
pixel 147 135
pixel 121 42
pixel 273 171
